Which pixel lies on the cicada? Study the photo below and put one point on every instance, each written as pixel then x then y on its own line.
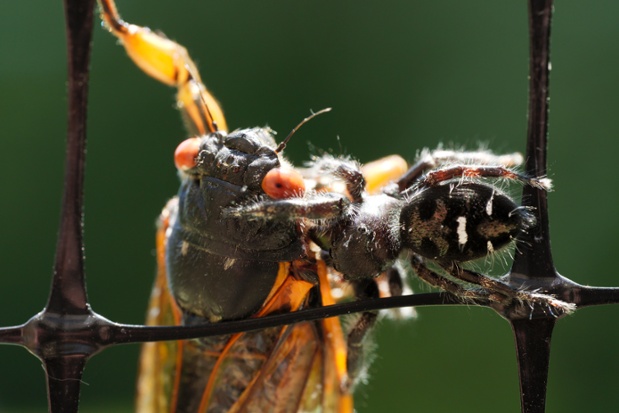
pixel 216 264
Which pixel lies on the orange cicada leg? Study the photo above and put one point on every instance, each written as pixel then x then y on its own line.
pixel 169 63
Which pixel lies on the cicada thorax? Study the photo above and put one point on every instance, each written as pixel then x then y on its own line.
pixel 220 266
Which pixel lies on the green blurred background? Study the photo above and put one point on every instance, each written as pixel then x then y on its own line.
pixel 400 75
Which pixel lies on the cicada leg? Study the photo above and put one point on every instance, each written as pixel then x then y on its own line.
pixel 382 171
pixel 169 63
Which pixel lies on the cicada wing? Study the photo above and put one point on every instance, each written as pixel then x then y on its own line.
pixel 305 371
pixel 158 365
pixel 297 377
pixel 280 385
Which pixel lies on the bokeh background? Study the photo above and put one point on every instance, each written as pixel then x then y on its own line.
pixel 400 75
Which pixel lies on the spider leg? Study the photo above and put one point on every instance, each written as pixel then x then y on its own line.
pixel 354 180
pixel 491 290
pixel 338 175
pixel 364 289
pixel 393 283
pixel 169 63
pixel 319 206
pixel 436 280
pixel 430 160
pixel 478 171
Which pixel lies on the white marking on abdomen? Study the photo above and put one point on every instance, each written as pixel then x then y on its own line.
pixel 490 247
pixel 489 205
pixel 229 262
pixel 184 248
pixel 463 237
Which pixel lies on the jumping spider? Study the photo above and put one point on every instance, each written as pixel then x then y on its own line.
pixel 441 210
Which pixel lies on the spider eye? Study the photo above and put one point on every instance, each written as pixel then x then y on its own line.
pixel 283 183
pixel 186 154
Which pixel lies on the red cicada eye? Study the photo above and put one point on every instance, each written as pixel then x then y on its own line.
pixel 186 154
pixel 283 183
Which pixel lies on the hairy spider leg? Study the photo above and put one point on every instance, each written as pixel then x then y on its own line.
pixel 439 157
pixel 356 336
pixel 492 290
pixel 169 63
pixel 437 176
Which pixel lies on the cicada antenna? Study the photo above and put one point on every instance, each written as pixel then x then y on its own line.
pixel 282 145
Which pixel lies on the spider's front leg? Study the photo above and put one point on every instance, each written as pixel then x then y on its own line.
pixel 440 158
pixel 481 171
pixel 169 63
pixel 315 207
pixel 325 202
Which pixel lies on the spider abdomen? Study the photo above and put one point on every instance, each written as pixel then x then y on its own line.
pixel 461 221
